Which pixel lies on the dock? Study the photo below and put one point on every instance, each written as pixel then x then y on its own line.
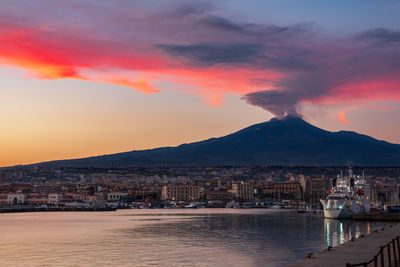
pixel 360 250
pixel 378 217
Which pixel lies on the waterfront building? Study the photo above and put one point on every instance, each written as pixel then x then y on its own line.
pixel 96 199
pixel 115 196
pixel 37 198
pixel 140 193
pixel 242 190
pixel 317 188
pixel 74 196
pixel 287 191
pixel 269 189
pixel 55 198
pixel 128 199
pixel 16 198
pixel 303 183
pixel 222 195
pixel 3 199
pixel 387 194
pixel 180 192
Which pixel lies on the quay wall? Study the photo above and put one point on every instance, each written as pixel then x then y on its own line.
pixel 359 250
pixel 378 217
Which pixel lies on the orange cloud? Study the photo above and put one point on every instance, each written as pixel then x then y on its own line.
pixel 342 117
pixel 54 55
pixel 141 85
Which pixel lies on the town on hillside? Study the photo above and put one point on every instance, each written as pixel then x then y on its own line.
pixel 180 187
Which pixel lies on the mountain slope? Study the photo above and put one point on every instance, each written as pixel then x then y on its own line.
pixel 288 141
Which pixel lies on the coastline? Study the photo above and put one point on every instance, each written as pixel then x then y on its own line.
pixel 53 209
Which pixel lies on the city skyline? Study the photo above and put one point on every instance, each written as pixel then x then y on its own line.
pixel 84 78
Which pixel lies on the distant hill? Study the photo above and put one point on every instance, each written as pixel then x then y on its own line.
pixel 288 141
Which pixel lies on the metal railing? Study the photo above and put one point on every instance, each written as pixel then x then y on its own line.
pixel 388 255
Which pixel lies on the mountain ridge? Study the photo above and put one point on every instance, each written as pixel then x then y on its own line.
pixel 287 141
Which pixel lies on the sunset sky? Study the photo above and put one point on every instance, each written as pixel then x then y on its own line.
pixel 82 78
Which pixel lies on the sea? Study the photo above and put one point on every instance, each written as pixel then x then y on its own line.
pixel 170 237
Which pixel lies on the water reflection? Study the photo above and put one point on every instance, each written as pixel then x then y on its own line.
pixel 268 238
pixel 339 231
pixel 203 237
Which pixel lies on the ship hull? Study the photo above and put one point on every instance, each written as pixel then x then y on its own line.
pixel 338 213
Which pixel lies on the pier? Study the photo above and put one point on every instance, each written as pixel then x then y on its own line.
pixel 357 252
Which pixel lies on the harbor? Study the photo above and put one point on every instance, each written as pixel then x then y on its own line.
pixel 181 237
pixel 262 216
pixel 349 198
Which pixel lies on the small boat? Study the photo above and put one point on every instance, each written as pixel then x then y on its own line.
pixel 145 207
pixel 233 205
pixel 191 206
pixel 302 210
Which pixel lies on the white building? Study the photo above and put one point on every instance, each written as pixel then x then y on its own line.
pixel 55 198
pixel 16 198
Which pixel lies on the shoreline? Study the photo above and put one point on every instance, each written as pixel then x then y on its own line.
pixel 53 209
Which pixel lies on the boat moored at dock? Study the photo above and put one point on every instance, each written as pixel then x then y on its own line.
pixel 349 195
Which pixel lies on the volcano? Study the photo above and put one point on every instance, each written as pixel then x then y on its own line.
pixel 288 141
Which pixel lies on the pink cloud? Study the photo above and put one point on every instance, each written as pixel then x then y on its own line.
pixel 274 67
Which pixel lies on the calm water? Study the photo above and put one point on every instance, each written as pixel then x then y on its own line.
pixel 169 237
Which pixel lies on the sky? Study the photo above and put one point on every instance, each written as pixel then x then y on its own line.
pixel 83 78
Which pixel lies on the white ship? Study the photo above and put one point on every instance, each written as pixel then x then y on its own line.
pixel 349 195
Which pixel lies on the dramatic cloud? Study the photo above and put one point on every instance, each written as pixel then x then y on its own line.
pixel 345 71
pixel 211 54
pixel 221 23
pixel 381 35
pixel 135 45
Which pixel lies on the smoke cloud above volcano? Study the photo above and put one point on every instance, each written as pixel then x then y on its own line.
pixel 364 67
pixel 274 67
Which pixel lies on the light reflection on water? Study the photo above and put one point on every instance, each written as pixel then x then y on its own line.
pixel 339 231
pixel 202 237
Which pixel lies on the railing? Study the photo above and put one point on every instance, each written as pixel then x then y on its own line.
pixel 384 256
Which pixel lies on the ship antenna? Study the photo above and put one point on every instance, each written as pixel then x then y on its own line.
pixel 350 171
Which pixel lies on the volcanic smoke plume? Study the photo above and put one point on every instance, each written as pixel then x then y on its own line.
pixel 278 103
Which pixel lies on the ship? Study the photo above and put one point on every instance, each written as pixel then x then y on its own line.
pixel 349 195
